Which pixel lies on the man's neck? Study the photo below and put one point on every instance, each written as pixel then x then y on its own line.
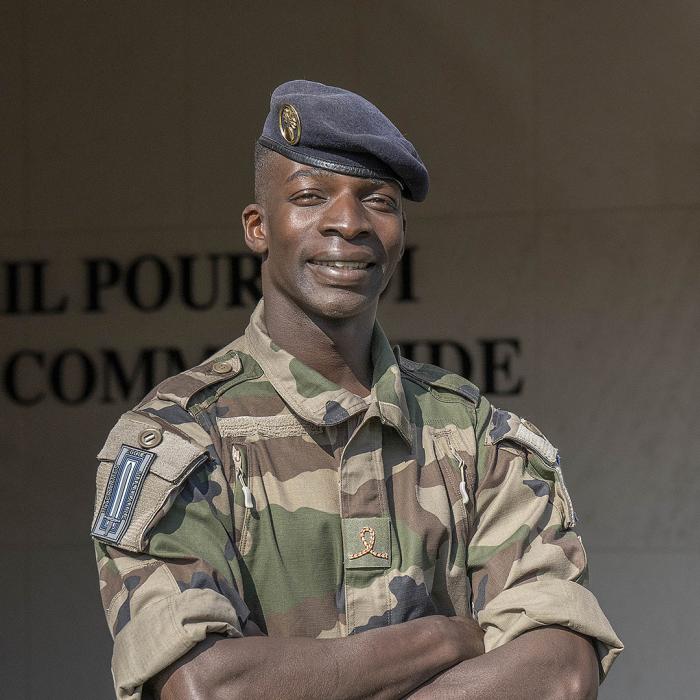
pixel 338 349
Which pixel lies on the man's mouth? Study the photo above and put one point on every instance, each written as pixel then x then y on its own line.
pixel 342 264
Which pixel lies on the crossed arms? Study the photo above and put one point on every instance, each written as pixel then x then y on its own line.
pixel 429 657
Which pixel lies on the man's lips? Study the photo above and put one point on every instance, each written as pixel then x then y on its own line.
pixel 342 272
pixel 343 264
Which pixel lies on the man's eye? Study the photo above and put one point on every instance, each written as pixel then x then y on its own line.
pixel 381 202
pixel 306 198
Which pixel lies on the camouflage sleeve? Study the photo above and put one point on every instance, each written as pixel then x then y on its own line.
pixel 528 567
pixel 168 572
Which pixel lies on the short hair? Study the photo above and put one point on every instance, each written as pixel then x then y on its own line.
pixel 262 159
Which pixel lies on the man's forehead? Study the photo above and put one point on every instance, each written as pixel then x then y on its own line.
pixel 301 171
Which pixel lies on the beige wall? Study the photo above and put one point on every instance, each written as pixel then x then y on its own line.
pixel 564 146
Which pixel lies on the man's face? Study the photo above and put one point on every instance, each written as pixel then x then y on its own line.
pixel 330 242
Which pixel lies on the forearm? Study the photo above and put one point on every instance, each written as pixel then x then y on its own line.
pixel 545 663
pixel 383 663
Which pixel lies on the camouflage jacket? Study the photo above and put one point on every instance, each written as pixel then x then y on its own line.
pixel 253 493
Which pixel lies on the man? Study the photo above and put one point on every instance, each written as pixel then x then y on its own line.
pixel 309 515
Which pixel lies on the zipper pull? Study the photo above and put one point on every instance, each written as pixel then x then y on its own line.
pixel 462 469
pixel 238 461
pixel 463 491
pixel 247 495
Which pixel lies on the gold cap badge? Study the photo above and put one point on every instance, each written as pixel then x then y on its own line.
pixel 290 124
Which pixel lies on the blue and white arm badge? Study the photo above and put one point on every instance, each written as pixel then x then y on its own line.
pixel 122 492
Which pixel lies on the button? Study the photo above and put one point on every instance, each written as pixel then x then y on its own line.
pixel 222 367
pixel 150 437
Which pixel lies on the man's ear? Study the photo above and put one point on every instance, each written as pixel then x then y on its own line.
pixel 254 232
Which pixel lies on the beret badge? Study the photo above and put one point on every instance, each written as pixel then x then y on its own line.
pixel 290 124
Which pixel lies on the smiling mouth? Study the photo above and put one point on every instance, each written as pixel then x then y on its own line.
pixel 342 264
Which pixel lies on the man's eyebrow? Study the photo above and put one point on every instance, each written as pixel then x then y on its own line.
pixel 320 172
pixel 307 172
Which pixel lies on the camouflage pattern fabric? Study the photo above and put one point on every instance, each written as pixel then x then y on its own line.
pixel 319 513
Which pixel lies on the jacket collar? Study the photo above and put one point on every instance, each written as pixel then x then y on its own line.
pixel 320 401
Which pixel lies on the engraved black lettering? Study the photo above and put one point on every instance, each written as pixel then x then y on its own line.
pixel 114 372
pixel 101 274
pixel 244 270
pixel 406 277
pixel 498 355
pixel 12 372
pixel 72 377
pixel 188 280
pixel 139 286
pixel 26 288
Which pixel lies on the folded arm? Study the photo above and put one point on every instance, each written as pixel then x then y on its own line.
pixel 545 663
pixel 383 663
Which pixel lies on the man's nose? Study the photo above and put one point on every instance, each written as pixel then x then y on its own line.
pixel 345 217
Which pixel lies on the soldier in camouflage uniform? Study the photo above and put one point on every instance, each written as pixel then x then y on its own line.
pixel 307 514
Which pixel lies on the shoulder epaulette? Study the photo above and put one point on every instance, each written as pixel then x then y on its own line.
pixel 439 378
pixel 505 425
pixel 181 388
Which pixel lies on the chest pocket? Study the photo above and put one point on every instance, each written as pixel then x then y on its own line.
pixel 285 496
pixel 287 534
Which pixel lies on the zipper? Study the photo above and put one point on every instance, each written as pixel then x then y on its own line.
pixel 238 464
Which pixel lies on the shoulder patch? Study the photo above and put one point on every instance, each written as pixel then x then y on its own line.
pixel 122 492
pixel 182 387
pixel 507 426
pixel 142 463
pixel 440 378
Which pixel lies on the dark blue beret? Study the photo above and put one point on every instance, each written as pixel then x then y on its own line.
pixel 337 130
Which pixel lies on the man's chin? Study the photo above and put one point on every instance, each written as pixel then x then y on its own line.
pixel 338 305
